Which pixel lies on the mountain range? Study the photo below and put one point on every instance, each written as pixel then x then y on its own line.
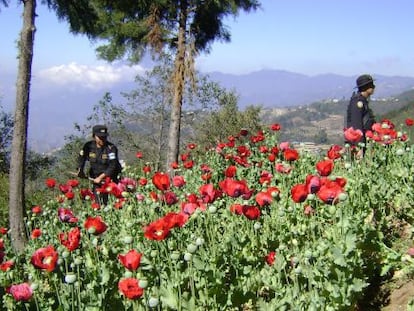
pixel 54 109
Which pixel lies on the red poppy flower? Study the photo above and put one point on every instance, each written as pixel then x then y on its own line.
pixel 95 205
pixel 7 265
pixel 3 230
pixel 66 215
pixel 73 183
pixel 142 181
pixel 154 196
pixel 313 183
pixel 291 154
pixel 21 292
pixel 189 207
pixel 45 258
pixel 65 188
pixel 87 194
pixel 334 152
pixel 95 225
pixel 185 157
pixel 192 198
pixel 161 181
pixel 251 212
pixel 50 182
pixel 174 165
pixel 130 260
pixel 341 181
pixel 146 169
pixel 243 151
pixel 270 258
pixel 230 172
pixel 128 184
pixel 299 193
pixel 119 203
pixel 69 195
pixel 264 198
pixel 352 135
pixel 191 146
pixel 263 149
pixel 275 127
pixel 284 169
pixel 206 177
pixel 409 122
pixel 129 288
pixel 325 167
pixel 157 230
pixel 174 220
pixel 265 177
pixel 36 209
pixel 36 233
pixel 235 188
pixel 188 164
pixel 258 137
pixel 178 181
pixel 208 193
pixel 329 192
pixel 273 191
pixel 236 208
pixel 138 155
pixel 170 198
pixel 284 145
pixel 244 132
pixel 70 240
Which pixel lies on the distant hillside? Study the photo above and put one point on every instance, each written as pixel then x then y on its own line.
pixel 323 121
pixel 277 88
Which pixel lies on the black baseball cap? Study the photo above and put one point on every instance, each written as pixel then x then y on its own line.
pixel 100 130
pixel 364 81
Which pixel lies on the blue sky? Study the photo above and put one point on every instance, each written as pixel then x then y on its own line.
pixel 312 37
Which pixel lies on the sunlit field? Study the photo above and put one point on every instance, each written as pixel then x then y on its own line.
pixel 251 224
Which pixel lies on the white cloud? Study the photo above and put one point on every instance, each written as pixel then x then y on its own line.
pixel 87 76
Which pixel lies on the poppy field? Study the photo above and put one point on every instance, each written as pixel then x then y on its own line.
pixel 250 224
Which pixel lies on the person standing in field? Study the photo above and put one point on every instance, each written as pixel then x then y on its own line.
pixel 359 115
pixel 103 159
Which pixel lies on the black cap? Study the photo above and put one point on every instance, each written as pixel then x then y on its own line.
pixel 100 130
pixel 364 80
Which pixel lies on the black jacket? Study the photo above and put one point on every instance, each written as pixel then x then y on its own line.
pixel 101 160
pixel 359 115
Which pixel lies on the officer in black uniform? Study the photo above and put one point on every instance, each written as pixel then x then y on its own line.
pixel 359 114
pixel 103 160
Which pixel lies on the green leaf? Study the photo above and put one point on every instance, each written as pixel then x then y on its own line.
pixel 169 297
pixel 104 276
pixel 339 258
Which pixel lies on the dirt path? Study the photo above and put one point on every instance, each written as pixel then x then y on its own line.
pixel 400 297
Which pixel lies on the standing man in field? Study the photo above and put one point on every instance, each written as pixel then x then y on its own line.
pixel 359 115
pixel 103 159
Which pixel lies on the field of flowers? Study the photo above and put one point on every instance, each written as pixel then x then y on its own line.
pixel 252 224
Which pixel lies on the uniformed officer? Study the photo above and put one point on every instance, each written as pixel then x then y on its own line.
pixel 359 114
pixel 103 159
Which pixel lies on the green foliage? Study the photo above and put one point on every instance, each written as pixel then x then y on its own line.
pixel 218 125
pixel 4 199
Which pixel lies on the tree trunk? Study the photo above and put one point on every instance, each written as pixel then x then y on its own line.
pixel 178 81
pixel 19 143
